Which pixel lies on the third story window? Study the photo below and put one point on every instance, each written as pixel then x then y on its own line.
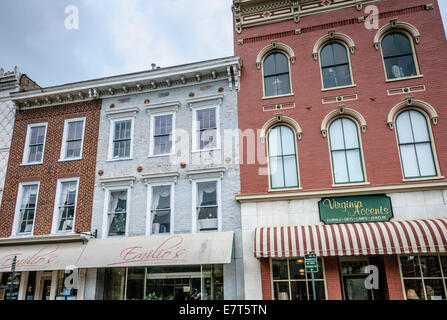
pixel 335 66
pixel 27 208
pixel 73 142
pixel 207 128
pixel 207 207
pixel 398 56
pixel 276 74
pixel 122 139
pixel 67 205
pixel 162 134
pixel 117 213
pixel 161 209
pixel 36 143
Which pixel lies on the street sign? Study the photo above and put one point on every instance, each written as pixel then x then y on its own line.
pixel 311 262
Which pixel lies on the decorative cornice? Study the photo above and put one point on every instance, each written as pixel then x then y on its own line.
pixel 332 35
pixel 275 45
pixel 341 110
pixel 166 177
pixel 44 239
pixel 122 112
pixel 279 118
pixel 410 102
pixel 125 181
pixel 204 101
pixel 162 107
pixel 206 173
pixel 395 24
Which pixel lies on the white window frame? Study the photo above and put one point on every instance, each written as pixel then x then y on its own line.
pixel 152 131
pixel 27 141
pixel 150 187
pixel 195 126
pixel 16 222
pixel 64 139
pixel 194 204
pixel 56 217
pixel 111 134
pixel 105 229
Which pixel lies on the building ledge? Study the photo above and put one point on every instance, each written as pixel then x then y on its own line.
pixel 44 239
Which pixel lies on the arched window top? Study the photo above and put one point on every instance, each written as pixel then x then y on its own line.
pixel 275 46
pixel 332 35
pixel 398 55
pixel 335 65
pixel 280 119
pixel 397 26
pixel 276 74
pixel 409 102
pixel 342 111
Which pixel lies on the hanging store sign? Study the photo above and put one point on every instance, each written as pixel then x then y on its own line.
pixel 355 209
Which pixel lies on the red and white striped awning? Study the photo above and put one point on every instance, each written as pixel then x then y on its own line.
pixel 395 237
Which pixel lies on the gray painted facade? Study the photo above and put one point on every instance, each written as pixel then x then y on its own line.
pixel 141 171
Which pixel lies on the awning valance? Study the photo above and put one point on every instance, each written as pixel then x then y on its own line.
pixel 40 257
pixel 179 249
pixel 394 237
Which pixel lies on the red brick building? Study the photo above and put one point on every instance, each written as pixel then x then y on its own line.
pixel 346 99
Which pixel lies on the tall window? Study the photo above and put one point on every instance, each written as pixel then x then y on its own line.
pixel 117 213
pixel 207 206
pixel 122 138
pixel 73 138
pixel 161 209
pixel 345 151
pixel 282 157
pixel 162 134
pixel 206 128
pixel 291 282
pixel 415 145
pixel 276 74
pixel 66 205
pixel 424 277
pixel 398 56
pixel 27 208
pixel 35 142
pixel 335 66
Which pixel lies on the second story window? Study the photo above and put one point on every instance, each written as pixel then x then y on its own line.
pixel 122 139
pixel 207 206
pixel 35 143
pixel 162 134
pixel 66 206
pixel 335 67
pixel 73 139
pixel 345 151
pixel 415 145
pixel 206 132
pixel 117 213
pixel 282 158
pixel 398 56
pixel 161 209
pixel 276 74
pixel 26 208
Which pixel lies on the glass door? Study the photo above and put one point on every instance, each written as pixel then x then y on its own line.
pixel 353 274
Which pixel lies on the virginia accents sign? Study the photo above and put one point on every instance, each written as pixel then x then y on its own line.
pixel 373 208
pixel 170 250
pixel 38 258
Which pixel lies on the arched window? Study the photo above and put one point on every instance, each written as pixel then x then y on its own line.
pixel 276 74
pixel 398 56
pixel 415 145
pixel 335 66
pixel 345 151
pixel 282 157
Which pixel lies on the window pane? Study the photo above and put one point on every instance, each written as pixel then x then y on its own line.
pixel 340 53
pixel 444 265
pixel 281 290
pixel 270 88
pixel 410 266
pixel 419 124
pixel 409 161
pixel 350 134
pixel 396 44
pixel 114 283
pixel 276 172
pixel 290 171
pixel 327 56
pixel 330 77
pixel 67 205
pixel 355 166
pixel 117 213
pixel 434 289
pixel 430 266
pixel 163 124
pixel 336 135
pixel 282 83
pixel 288 140
pixel 400 67
pixel 279 269
pixel 299 290
pixel 162 144
pixel 73 149
pixel 343 75
pixel 414 289
pixel 319 290
pixel 269 65
pixel 425 159
pixel 208 139
pixel 404 129
pixel 297 270
pixel 339 166
pixel 207 193
pixel 275 142
pixel 161 212
pixel 75 130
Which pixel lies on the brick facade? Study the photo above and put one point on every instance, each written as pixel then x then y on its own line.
pixel 266 280
pixel 51 169
pixel 394 288
pixel 333 281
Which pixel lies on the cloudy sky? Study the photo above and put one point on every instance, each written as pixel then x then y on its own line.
pixel 114 36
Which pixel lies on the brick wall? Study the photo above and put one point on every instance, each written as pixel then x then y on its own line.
pixel 266 280
pixel 393 279
pixel 333 282
pixel 51 169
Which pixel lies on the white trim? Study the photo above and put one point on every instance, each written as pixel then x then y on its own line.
pixel 150 187
pixel 64 139
pixel 16 222
pixel 56 217
pixel 105 229
pixel 194 204
pixel 195 126
pixel 26 150
pixel 112 133
pixel 152 128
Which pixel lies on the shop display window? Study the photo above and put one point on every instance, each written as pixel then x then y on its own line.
pixel 5 286
pixel 62 292
pixel 291 282
pixel 424 276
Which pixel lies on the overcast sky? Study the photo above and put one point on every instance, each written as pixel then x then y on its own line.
pixel 114 36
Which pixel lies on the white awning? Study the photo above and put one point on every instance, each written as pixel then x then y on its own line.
pixel 179 249
pixel 40 257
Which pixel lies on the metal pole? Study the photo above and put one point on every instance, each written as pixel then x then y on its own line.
pixel 13 270
pixel 313 287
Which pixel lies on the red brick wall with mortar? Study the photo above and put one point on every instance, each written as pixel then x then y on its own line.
pixel 51 169
pixel 266 280
pixel 393 278
pixel 333 282
pixel 379 143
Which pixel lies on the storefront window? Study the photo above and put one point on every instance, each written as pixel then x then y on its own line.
pixel 62 292
pixel 135 283
pixel 114 283
pixel 291 282
pixel 212 282
pixel 31 286
pixel 424 277
pixel 5 286
pixel 353 275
